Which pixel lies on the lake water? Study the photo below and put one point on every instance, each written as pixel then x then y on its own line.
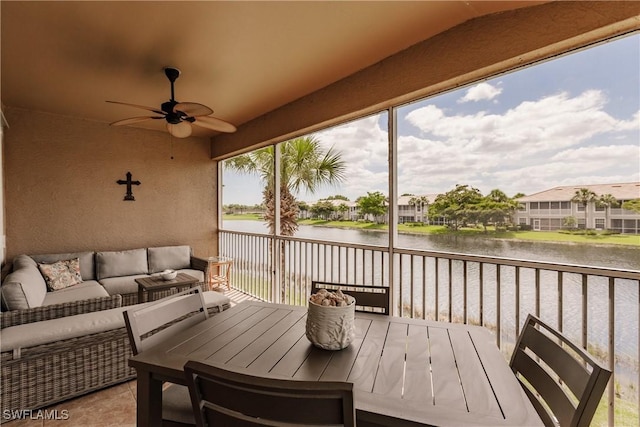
pixel 622 257
pixel 619 257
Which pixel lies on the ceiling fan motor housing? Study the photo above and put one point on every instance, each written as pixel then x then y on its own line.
pixel 172 117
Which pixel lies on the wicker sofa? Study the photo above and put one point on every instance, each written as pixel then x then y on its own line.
pixel 103 274
pixel 74 342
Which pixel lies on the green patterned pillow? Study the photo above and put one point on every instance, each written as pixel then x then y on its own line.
pixel 61 274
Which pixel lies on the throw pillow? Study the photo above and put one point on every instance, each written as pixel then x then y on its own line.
pixel 61 274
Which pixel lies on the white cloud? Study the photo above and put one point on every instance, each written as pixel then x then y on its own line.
pixel 602 154
pixel 555 140
pixel 547 124
pixel 479 92
pixel 363 147
pixel 535 145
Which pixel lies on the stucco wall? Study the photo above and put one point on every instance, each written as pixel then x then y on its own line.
pixel 61 192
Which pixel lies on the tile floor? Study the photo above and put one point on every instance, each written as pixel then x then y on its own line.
pixel 111 407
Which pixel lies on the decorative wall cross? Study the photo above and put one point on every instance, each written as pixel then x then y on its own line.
pixel 128 183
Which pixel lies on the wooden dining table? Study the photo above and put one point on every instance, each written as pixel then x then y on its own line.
pixel 405 372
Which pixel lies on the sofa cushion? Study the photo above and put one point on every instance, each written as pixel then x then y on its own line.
pixel 121 263
pixel 169 257
pixel 23 261
pixel 87 264
pixel 121 285
pixel 61 274
pixel 24 287
pixel 215 299
pixel 37 333
pixel 85 290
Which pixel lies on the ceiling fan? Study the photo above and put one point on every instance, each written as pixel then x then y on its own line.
pixel 178 115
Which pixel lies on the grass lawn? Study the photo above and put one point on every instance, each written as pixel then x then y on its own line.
pixel 243 217
pixel 546 236
pixel 626 413
pixel 344 224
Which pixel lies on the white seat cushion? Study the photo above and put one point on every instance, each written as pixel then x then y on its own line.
pixel 215 299
pixel 81 291
pixel 48 331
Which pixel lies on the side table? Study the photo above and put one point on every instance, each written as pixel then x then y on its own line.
pixel 153 285
pixel 218 271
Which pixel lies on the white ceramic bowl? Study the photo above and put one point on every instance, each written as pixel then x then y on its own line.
pixel 169 274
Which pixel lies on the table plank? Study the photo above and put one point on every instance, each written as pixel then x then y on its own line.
pixel 295 357
pixel 270 357
pixel 224 338
pixel 390 377
pixel 263 328
pixel 418 382
pixel 363 373
pixel 446 383
pixel 317 361
pixel 513 402
pixel 475 384
pixel 342 361
pixel 203 333
pixel 253 351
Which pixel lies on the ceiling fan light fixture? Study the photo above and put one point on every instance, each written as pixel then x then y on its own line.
pixel 180 130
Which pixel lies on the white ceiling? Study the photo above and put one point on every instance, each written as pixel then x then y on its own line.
pixel 242 59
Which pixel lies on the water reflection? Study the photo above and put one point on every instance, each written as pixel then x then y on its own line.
pixel 612 256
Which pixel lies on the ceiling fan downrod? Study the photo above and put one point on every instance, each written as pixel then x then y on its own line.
pixel 172 74
pixel 172 117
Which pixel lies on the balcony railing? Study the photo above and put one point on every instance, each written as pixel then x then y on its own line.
pixel 596 307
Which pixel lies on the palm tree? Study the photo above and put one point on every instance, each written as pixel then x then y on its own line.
pixel 607 201
pixel 584 196
pixel 304 165
pixel 419 202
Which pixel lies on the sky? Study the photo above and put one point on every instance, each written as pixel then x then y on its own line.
pixel 573 120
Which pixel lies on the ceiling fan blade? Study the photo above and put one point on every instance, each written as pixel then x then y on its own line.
pixel 193 109
pixel 133 120
pixel 214 124
pixel 155 110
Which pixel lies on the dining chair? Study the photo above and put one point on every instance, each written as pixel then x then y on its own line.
pixel 370 299
pixel 221 397
pixel 563 381
pixel 151 323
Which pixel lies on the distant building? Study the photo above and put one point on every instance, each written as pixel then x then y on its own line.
pixel 548 209
pixel 344 210
pixel 414 208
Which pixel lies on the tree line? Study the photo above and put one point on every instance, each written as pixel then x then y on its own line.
pixel 306 166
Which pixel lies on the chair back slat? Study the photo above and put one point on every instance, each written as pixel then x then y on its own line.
pixel 551 369
pixel 560 404
pixel 547 417
pixel 151 323
pixel 574 372
pixel 373 299
pixel 223 397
